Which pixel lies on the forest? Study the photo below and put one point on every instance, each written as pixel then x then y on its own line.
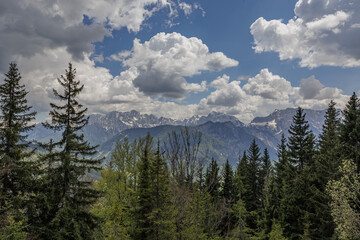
pixel 163 190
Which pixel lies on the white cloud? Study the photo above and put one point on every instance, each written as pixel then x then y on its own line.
pixel 30 27
pixel 102 92
pixel 187 8
pixel 165 60
pixel 226 94
pixel 310 87
pixel 265 92
pixel 321 33
pixel 269 86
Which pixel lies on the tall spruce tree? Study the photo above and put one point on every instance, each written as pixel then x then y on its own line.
pixel 280 169
pixel 144 191
pixel 350 131
pixel 227 190
pixel 327 162
pixel 264 169
pixel 212 180
pixel 251 184
pixel 295 204
pixel 70 219
pixel 240 176
pixel 252 178
pixel 280 178
pixel 228 199
pixel 301 141
pixel 15 170
pixel 15 122
pixel 162 214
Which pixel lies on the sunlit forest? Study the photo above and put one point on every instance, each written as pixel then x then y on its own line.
pixel 164 190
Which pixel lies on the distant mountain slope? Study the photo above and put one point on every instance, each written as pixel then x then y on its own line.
pixel 224 136
pixel 279 121
pixel 103 127
pixel 221 140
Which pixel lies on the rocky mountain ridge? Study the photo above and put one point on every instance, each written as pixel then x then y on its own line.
pixel 218 130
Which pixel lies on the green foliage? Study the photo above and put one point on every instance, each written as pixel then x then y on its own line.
pixel 212 181
pixel 14 229
pixel 350 131
pixel 240 176
pixel 241 229
pixel 301 141
pixel 68 216
pixel 295 191
pixel 228 189
pixel 252 194
pixel 345 201
pixel 16 171
pixel 326 166
pixel 118 183
pixel 276 232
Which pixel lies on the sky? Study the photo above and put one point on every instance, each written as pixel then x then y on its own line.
pixel 179 58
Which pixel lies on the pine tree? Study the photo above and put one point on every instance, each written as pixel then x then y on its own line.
pixel 252 178
pixel 15 170
pixel 252 194
pixel 162 212
pixel 327 162
pixel 228 198
pixel 227 190
pixel 281 166
pixel 350 131
pixel 295 204
pixel 301 141
pixel 212 180
pixel 145 206
pixel 264 169
pixel 70 219
pixel 240 176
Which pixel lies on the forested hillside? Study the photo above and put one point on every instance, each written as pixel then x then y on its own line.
pixel 153 189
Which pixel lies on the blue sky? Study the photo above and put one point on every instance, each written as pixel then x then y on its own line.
pixel 178 58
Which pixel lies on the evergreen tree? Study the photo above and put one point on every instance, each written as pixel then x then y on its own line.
pixel 228 199
pixel 212 181
pixel 264 169
pixel 326 166
pixel 295 204
pixel 252 194
pixel 144 192
pixel 301 141
pixel 227 190
pixel 240 176
pixel 15 170
pixel 70 218
pixel 162 212
pixel 350 131
pixel 281 165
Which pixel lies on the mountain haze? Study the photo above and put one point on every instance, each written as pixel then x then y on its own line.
pixel 223 136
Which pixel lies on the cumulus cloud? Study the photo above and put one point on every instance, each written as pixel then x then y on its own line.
pixel 321 33
pixel 264 92
pixel 312 90
pixel 310 87
pixel 226 94
pixel 165 60
pixel 30 27
pixel 102 92
pixel 268 86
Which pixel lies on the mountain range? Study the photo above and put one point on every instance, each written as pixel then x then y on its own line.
pixel 223 136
